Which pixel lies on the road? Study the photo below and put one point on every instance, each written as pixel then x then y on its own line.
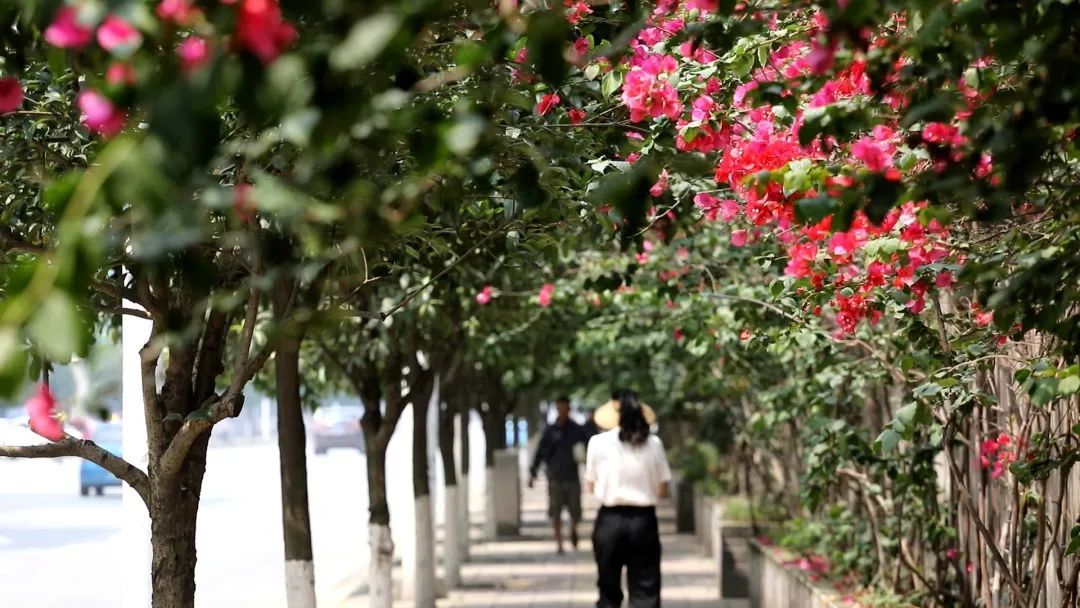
pixel 57 549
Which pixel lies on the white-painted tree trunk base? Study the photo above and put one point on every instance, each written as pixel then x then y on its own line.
pixel 490 527
pixel 300 583
pixel 451 542
pixel 466 521
pixel 424 583
pixel 380 582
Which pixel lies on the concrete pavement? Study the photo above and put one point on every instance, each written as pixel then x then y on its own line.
pixel 527 572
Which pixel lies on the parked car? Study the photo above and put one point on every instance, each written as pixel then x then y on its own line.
pixel 337 426
pixel 109 437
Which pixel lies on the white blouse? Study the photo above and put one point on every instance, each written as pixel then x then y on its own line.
pixel 623 474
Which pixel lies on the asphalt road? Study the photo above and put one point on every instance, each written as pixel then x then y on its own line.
pixel 58 550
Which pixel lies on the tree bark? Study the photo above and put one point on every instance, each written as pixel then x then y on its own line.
pixel 174 510
pixel 424 584
pixel 292 451
pixel 451 501
pixel 381 543
pixel 466 518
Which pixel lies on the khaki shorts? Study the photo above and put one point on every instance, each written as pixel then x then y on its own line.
pixel 564 494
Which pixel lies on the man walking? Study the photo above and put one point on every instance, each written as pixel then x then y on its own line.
pixel 561 450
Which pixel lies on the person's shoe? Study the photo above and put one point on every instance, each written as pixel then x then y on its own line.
pixel 573 537
pixel 560 551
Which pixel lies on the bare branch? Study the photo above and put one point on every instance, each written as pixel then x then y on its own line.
pixel 87 450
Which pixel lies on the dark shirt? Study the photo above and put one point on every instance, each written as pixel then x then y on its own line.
pixel 591 428
pixel 556 451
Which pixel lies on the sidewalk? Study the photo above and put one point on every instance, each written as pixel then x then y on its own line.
pixel 526 571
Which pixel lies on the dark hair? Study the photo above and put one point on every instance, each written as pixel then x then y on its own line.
pixel 633 428
pixel 562 399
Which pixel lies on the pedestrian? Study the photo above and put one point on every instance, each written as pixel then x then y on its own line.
pixel 561 451
pixel 590 424
pixel 627 470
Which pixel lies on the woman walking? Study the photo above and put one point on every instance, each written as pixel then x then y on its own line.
pixel 626 468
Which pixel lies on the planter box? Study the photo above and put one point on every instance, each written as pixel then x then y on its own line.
pixel 732 543
pixel 773 585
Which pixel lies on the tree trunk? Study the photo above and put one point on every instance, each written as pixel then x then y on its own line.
pixel 174 511
pixel 292 450
pixel 451 501
pixel 380 594
pixel 424 584
pixel 463 485
pixel 493 431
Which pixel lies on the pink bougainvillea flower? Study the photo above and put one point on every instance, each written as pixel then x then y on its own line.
pixel 745 335
pixel 821 57
pixel 120 74
pixel 485 295
pixel 678 335
pixel 180 12
pixel 243 207
pixel 576 116
pixel 99 114
pixel 262 31
pixel 738 238
pixel 578 9
pixel 194 52
pixel 544 297
pixel 648 90
pixel 547 101
pixel 11 95
pixel 661 184
pixel 41 408
pixel 66 32
pixel 702 5
pixel 118 36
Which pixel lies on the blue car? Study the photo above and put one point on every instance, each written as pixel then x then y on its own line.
pixel 108 436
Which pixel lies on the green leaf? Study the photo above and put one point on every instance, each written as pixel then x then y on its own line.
pixel 887 441
pixel 1074 541
pixel 57 329
pixel 1069 385
pixel 611 83
pixel 548 32
pixel 366 41
pixel 13 357
pixel 813 210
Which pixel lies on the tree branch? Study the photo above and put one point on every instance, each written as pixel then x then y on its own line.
pixel 87 450
pixel 197 423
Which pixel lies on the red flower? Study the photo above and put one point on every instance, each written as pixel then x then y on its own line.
pixel 576 115
pixel 180 12
pixel 41 409
pixel 544 297
pixel 118 36
pixel 548 101
pixel 485 295
pixel 261 30
pixel 194 53
pixel 11 95
pixel 99 114
pixel 738 238
pixel 243 207
pixel 120 73
pixel 66 32
pixel 578 10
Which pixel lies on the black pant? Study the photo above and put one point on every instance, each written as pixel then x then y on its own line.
pixel 627 537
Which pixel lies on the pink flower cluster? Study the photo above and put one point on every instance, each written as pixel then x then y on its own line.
pixel 41 409
pixel 995 454
pixel 648 91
